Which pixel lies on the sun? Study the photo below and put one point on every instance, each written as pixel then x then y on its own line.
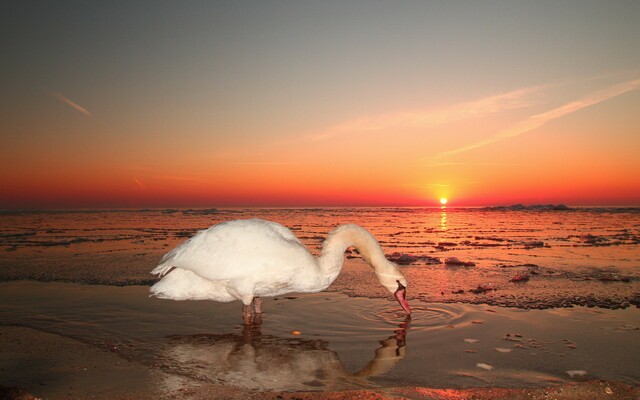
pixel 443 201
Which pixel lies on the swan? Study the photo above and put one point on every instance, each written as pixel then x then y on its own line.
pixel 247 259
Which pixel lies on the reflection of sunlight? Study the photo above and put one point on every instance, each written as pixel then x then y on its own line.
pixel 263 362
pixel 443 218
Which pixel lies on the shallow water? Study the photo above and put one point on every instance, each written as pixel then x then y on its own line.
pixel 572 239
pixel 328 341
pixel 353 336
pixel 570 257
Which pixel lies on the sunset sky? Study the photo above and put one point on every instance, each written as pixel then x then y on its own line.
pixel 319 103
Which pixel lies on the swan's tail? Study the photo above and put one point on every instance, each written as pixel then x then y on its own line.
pixel 182 284
pixel 164 267
pixel 161 270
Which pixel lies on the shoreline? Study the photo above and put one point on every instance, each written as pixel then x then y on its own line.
pixel 480 295
pixel 487 296
pixel 546 289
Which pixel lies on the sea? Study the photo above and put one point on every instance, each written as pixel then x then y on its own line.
pixel 521 296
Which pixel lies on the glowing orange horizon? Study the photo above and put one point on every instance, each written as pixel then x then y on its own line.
pixel 492 160
pixel 126 191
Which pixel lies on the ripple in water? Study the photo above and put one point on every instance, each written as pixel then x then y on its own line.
pixel 422 318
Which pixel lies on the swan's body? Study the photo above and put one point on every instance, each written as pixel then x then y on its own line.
pixel 247 259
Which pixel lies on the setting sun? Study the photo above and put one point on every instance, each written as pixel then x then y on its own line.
pixel 443 200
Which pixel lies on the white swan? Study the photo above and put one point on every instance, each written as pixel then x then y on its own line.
pixel 245 259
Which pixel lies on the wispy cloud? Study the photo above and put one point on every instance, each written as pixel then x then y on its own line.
pixel 136 180
pixel 265 163
pixel 195 179
pixel 70 103
pixel 426 185
pixel 425 118
pixel 538 120
pixel 450 164
pixel 437 185
pixel 454 164
pixel 501 165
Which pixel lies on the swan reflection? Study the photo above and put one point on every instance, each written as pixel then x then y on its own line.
pixel 263 362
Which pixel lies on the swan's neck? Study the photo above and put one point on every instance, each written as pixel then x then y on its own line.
pixel 341 238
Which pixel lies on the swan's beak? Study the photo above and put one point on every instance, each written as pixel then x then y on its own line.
pixel 401 296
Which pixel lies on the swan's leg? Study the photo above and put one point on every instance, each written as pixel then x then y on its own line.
pixel 257 308
pixel 252 312
pixel 247 314
pixel 257 305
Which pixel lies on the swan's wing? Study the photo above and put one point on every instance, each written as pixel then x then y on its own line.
pixel 255 249
pixel 281 230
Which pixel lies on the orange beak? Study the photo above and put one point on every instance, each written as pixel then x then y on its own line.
pixel 401 296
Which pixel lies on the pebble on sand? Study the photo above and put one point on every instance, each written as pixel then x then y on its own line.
pixel 502 350
pixel 485 366
pixel 520 278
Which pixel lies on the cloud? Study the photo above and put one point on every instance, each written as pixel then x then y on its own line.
pixel 265 163
pixel 427 185
pixel 139 183
pixel 538 120
pixel 449 164
pixel 501 165
pixel 425 118
pixel 454 164
pixel 438 185
pixel 196 179
pixel 70 103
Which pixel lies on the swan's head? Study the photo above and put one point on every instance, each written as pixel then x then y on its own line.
pixel 396 283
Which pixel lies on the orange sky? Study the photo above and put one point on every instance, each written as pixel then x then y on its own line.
pixel 257 104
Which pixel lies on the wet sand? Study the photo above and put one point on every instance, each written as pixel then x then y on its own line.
pixel 67 341
pixel 54 366
pixel 39 365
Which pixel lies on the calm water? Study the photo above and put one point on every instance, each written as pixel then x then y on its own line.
pixel 328 341
pixel 459 336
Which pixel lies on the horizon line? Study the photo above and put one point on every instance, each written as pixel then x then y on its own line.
pixel 301 207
